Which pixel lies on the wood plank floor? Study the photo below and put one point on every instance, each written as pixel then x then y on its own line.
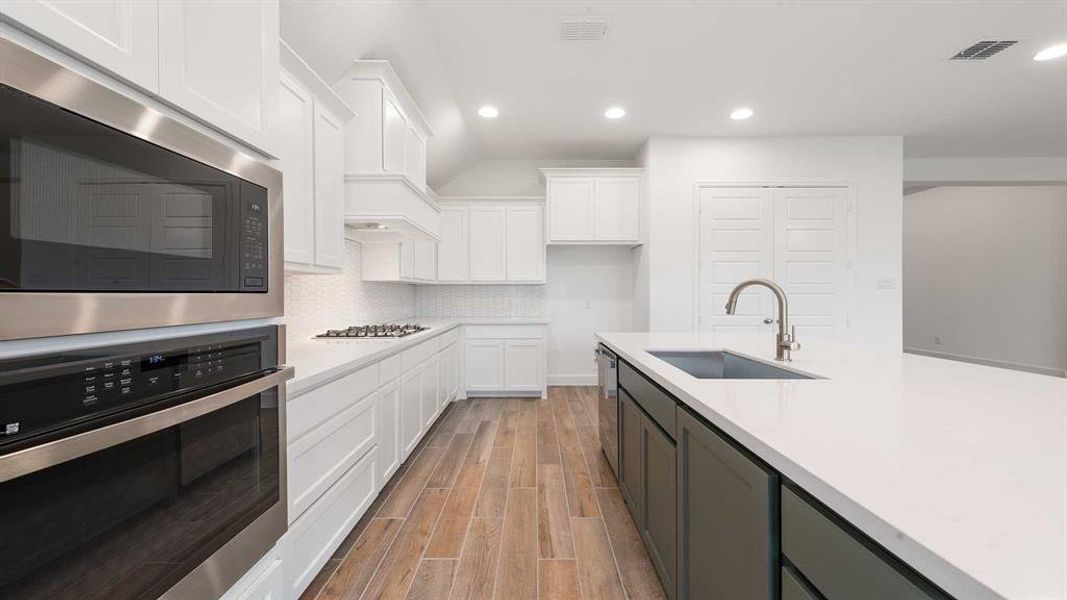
pixel 504 498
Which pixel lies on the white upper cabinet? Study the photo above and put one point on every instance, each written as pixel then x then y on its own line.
pixel 453 251
pixel 490 240
pixel 525 243
pixel 329 189
pixel 119 36
pixel 310 139
pixel 594 206
pixel 385 156
pixel 218 61
pixel 413 261
pixel 296 114
pixel 488 243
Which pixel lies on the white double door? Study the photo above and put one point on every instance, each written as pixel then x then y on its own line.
pixel 797 237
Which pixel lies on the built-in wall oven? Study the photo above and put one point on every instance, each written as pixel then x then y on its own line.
pixel 143 469
pixel 115 216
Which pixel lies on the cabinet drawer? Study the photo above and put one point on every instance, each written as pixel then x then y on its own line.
pixel 655 401
pixel 502 332
pixel 391 368
pixel 314 537
pixel 308 410
pixel 448 337
pixel 319 458
pixel 838 564
pixel 412 357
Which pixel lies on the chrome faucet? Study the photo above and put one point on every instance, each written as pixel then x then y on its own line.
pixel 787 337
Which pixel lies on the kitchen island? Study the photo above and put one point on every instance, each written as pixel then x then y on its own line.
pixel 957 470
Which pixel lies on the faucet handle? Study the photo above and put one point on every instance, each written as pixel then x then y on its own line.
pixel 793 343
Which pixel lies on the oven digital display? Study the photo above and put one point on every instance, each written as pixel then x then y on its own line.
pixel 153 362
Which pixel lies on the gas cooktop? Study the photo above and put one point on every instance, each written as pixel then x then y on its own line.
pixel 379 331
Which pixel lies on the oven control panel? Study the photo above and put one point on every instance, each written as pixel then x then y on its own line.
pixel 43 394
pixel 254 251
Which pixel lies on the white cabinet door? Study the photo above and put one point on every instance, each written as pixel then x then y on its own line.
pixel 415 158
pixel 394 136
pixel 329 189
pixel 485 365
pixel 410 411
pixel 570 209
pixel 295 132
pixel 450 372
pixel 525 244
pixel 389 450
pixel 488 243
pixel 616 203
pixel 425 260
pixel 119 36
pixel 523 365
pixel 219 61
pixel 430 386
pixel 453 249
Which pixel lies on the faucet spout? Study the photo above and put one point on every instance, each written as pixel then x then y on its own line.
pixel 786 340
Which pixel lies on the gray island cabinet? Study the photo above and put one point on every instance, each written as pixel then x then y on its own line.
pixel 718 522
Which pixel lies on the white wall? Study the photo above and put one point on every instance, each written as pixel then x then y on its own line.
pixel 512 177
pixel 985 269
pixel 589 289
pixel 871 165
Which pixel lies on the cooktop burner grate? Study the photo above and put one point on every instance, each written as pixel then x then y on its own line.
pixel 378 331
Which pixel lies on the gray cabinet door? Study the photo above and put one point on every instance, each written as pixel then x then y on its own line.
pixel 659 525
pixel 630 418
pixel 727 518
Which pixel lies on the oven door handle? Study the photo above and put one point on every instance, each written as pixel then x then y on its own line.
pixel 37 458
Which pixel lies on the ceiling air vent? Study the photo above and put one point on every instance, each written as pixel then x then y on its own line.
pixel 984 49
pixel 583 29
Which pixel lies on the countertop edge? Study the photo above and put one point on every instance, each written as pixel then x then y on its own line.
pixel 944 574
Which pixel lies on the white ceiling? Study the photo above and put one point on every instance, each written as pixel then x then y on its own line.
pixel 807 68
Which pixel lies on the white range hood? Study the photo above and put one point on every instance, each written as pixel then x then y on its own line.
pixel 386 196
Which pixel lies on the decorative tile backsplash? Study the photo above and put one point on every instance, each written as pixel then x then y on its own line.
pixel 480 301
pixel 318 302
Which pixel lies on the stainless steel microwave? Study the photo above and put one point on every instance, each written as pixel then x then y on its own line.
pixel 115 216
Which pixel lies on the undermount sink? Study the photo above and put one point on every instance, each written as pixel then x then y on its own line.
pixel 716 364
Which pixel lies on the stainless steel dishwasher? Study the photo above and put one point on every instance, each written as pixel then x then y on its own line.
pixel 608 404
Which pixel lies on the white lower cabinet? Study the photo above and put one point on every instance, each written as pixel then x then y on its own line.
pixel 314 537
pixel 410 410
pixel 431 398
pixel 269 585
pixel 505 358
pixel 485 365
pixel 388 430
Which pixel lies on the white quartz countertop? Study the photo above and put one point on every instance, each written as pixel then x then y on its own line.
pixel 317 361
pixel 960 470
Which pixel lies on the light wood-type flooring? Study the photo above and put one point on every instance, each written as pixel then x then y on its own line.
pixel 505 498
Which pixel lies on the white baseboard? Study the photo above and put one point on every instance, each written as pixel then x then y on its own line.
pixel 988 362
pixel 573 379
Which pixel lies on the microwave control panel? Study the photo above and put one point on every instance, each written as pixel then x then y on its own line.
pixel 254 249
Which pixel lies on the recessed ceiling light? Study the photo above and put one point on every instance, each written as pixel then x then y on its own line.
pixel 489 112
pixel 741 114
pixel 615 112
pixel 1054 51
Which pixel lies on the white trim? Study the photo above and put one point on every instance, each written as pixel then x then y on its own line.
pixel 302 72
pixel 584 379
pixel 505 199
pixel 396 177
pixel 987 362
pixel 592 172
pixel 382 71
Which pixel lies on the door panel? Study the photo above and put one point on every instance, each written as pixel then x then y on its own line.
pixel 570 209
pixel 389 450
pixel 120 36
pixel 629 455
pixel 523 361
pixel 525 244
pixel 453 249
pixel 296 152
pixel 410 411
pixel 659 504
pixel 488 248
pixel 615 209
pixel 485 365
pixel 727 518
pixel 329 189
pixel 811 258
